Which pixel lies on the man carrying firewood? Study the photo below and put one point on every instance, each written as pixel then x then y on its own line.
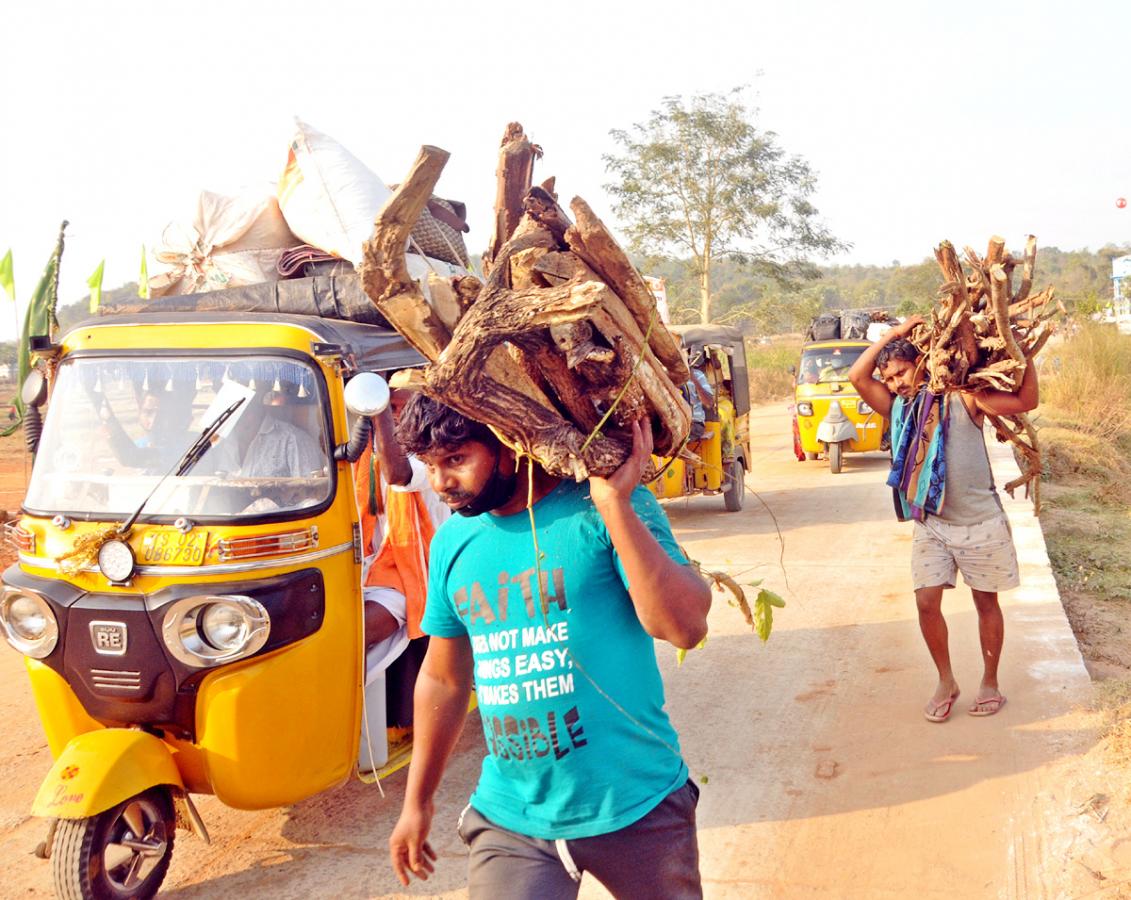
pixel 942 480
pixel 549 594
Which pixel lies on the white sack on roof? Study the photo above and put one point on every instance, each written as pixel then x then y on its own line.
pixel 231 241
pixel 328 196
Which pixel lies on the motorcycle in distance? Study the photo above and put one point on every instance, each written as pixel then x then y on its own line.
pixel 187 594
pixel 830 417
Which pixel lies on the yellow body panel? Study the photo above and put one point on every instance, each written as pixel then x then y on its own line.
pixel 270 730
pixel 100 769
pixel 709 473
pixel 60 711
pixel 869 426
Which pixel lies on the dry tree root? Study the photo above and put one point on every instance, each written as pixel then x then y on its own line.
pixel 984 334
pixel 559 349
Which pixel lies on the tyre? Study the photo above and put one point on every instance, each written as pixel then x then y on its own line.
pixel 120 854
pixel 736 490
pixel 810 456
pixel 835 450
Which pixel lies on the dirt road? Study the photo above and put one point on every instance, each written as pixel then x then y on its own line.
pixel 820 777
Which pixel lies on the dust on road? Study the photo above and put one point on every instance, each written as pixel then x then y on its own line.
pixel 819 776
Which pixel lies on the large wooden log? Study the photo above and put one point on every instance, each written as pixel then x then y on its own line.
pixel 513 180
pixel 384 270
pixel 594 243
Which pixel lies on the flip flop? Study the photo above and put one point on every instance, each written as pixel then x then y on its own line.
pixel 994 703
pixel 942 710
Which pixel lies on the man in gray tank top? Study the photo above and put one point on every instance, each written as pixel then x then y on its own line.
pixel 970 532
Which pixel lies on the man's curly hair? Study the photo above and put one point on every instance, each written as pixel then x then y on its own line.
pixel 426 425
pixel 897 349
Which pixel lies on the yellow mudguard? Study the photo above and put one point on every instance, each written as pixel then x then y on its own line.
pixel 100 769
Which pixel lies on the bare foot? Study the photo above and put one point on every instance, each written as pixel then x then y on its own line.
pixel 942 701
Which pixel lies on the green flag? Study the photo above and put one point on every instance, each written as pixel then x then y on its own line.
pixel 40 312
pixel 143 278
pixel 7 278
pixel 94 282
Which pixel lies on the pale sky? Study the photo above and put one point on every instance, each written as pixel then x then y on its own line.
pixel 922 121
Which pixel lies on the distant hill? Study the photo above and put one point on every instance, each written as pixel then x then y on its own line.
pixel 1082 279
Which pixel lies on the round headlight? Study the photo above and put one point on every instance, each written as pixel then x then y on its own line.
pixel 116 560
pixel 224 626
pixel 29 624
pixel 804 408
pixel 862 407
pixel 211 630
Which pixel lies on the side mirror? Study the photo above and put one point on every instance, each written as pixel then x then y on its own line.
pixel 367 394
pixel 33 392
pixel 793 370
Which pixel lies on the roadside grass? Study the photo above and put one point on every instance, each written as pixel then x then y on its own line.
pixel 1085 432
pixel 768 368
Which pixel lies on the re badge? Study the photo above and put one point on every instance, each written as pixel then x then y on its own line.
pixel 109 638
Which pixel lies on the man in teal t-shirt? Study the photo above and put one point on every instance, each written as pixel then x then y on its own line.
pixel 583 770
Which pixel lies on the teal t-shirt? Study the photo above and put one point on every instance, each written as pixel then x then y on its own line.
pixel 571 700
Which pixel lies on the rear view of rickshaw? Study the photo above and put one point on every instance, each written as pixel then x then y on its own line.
pixel 187 594
pixel 719 456
pixel 830 418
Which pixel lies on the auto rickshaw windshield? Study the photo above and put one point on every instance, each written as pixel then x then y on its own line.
pixel 827 363
pixel 116 426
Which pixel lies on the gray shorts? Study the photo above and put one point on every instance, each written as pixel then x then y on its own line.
pixel 983 553
pixel 655 857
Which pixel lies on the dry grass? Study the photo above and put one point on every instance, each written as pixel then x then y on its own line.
pixel 1085 431
pixel 1088 377
pixel 768 366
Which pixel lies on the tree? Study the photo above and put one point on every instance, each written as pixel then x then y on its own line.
pixel 700 181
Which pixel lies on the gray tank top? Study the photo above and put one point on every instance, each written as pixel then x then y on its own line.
pixel 970 494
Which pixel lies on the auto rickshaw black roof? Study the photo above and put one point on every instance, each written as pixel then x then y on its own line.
pixel 334 308
pixel 695 337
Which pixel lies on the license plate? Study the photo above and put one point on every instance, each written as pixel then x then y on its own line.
pixel 174 548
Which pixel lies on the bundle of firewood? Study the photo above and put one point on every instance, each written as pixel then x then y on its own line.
pixel 559 349
pixel 984 332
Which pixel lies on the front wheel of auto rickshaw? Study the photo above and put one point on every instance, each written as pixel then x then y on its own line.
pixel 811 456
pixel 835 450
pixel 121 853
pixel 736 490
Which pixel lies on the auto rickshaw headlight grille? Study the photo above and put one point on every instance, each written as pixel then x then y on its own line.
pixel 211 630
pixel 29 623
pixel 19 538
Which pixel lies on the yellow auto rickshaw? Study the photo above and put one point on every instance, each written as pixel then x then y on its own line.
pixel 719 454
pixel 190 627
pixel 830 418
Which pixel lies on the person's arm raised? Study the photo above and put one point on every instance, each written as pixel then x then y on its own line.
pixel 671 600
pixel 875 393
pixel 443 690
pixel 394 462
pixel 1004 403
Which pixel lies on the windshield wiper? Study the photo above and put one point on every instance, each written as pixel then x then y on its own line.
pixel 190 458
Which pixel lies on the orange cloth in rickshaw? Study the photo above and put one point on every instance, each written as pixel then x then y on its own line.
pixel 402 560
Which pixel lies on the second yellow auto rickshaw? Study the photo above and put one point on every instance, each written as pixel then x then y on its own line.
pixel 721 451
pixel 830 418
pixel 188 590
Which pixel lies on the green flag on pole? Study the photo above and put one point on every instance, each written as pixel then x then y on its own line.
pixel 38 318
pixel 7 277
pixel 143 278
pixel 94 282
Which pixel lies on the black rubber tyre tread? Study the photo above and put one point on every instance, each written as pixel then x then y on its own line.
pixel 736 493
pixel 836 457
pixel 74 847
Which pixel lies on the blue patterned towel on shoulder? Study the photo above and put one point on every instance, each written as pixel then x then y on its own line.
pixel 918 465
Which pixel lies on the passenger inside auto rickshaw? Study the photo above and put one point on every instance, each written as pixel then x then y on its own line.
pixel 700 396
